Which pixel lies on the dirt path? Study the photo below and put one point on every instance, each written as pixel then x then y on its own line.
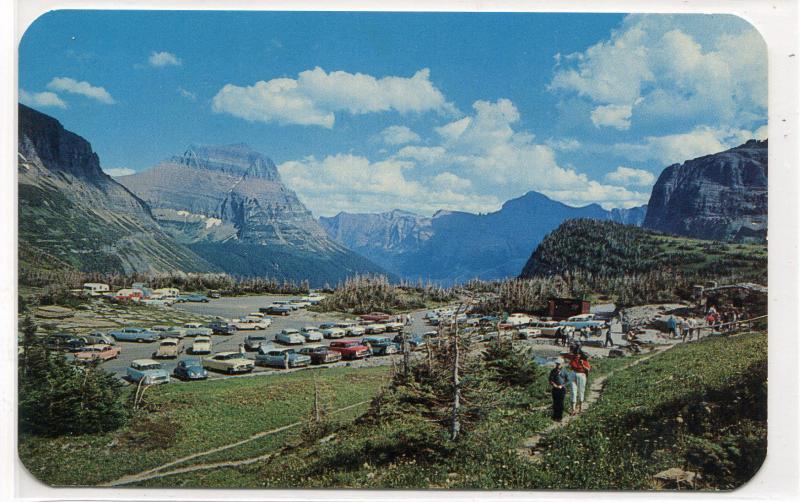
pixel 158 471
pixel 529 446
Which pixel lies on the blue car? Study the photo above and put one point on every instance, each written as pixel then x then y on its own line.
pixel 276 357
pixel 381 345
pixel 148 372
pixel 415 342
pixel 192 298
pixel 190 369
pixel 134 335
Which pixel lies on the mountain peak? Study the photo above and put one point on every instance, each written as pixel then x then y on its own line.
pixel 238 159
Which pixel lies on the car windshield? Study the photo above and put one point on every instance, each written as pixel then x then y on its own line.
pixel 168 344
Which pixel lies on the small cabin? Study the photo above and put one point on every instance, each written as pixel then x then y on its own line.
pixel 95 288
pixel 564 308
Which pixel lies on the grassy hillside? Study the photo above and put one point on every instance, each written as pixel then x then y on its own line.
pixel 605 248
pixel 673 410
pixel 184 418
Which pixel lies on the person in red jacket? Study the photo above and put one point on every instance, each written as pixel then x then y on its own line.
pixel 579 372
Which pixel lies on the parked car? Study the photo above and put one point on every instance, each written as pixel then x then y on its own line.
pixel 222 327
pixel 76 344
pixel 281 310
pixel 550 328
pixel 147 371
pixel 276 357
pixel 519 320
pixel 583 321
pixel 190 369
pixel 333 333
pixel 320 354
pixel 98 338
pixel 192 298
pixel 528 333
pixel 201 345
pixel 97 352
pixel 356 330
pixel 312 335
pixel 251 323
pixel 169 348
pixel 290 337
pixel 350 349
pixel 229 362
pixel 164 331
pixel 214 294
pixel 173 332
pixel 393 327
pixel 381 345
pixel 197 329
pixel 415 341
pixel 300 304
pixel 253 342
pixel 374 329
pixel 328 325
pixel 134 335
pixel 376 317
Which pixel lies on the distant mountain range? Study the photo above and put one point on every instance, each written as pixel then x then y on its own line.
pixel 717 197
pixel 72 214
pixel 455 246
pixel 228 205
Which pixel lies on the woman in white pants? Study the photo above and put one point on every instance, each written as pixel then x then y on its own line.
pixel 579 371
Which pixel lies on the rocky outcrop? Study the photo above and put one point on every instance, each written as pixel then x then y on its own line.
pixel 718 197
pixel 454 246
pixel 71 210
pixel 228 204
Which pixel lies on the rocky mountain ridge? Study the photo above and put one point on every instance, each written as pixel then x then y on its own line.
pixel 71 210
pixel 722 196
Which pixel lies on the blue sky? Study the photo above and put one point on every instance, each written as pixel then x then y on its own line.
pixel 374 111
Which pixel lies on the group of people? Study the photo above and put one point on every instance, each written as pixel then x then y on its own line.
pixel 574 376
pixel 565 337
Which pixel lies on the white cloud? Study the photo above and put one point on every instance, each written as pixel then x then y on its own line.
pixel 422 154
pixel 700 67
pixel 563 144
pixel 676 148
pixel 118 171
pixel 630 176
pixel 314 97
pixel 187 94
pixel 41 99
pixel 352 183
pixel 616 116
pixel 161 59
pixel 398 135
pixel 66 84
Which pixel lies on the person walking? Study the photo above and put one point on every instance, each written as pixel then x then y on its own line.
pixel 579 366
pixel 685 327
pixel 558 388
pixel 672 326
pixel 608 342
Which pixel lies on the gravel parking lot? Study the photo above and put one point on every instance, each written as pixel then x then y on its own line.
pixel 235 307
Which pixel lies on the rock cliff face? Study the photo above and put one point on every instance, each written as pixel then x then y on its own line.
pixel 71 210
pixel 455 246
pixel 228 204
pixel 718 197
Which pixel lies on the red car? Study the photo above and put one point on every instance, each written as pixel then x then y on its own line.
pixel 375 317
pixel 351 349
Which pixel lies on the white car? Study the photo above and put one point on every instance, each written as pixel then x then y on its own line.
pixel 196 329
pixel 527 333
pixel 519 320
pixel 290 337
pixel 356 331
pixel 201 345
pixel 550 328
pixel 229 362
pixel 249 323
pixel 394 326
pixel 311 335
pixel 333 333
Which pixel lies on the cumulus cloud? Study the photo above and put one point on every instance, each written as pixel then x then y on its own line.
pixel 676 67
pixel 41 99
pixel 66 84
pixel 161 59
pixel 630 176
pixel 315 95
pixel 346 182
pixel 118 171
pixel 616 116
pixel 676 148
pixel 481 161
pixel 398 135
